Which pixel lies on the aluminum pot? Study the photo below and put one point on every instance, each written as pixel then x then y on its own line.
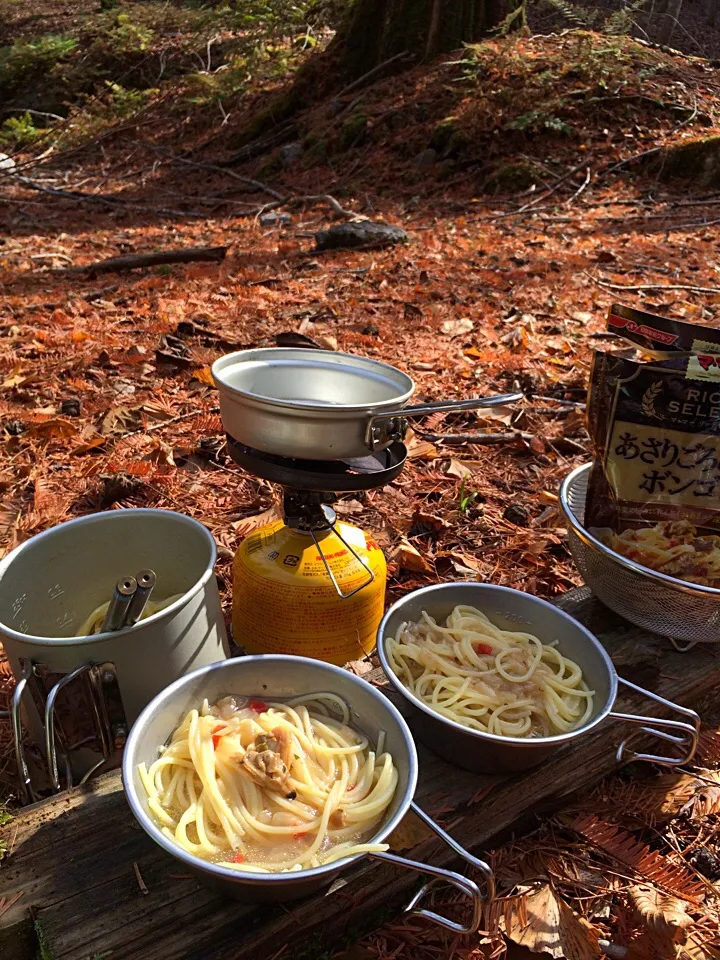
pixel 320 405
pixel 283 677
pixel 52 582
pixel 513 610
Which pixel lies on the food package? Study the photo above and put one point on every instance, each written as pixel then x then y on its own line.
pixel 654 421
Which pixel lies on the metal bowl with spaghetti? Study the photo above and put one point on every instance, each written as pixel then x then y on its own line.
pixel 688 613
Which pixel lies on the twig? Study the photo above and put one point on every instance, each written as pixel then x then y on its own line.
pixel 11 901
pixel 563 403
pixel 544 196
pixel 296 201
pixel 257 184
pixel 580 190
pixel 371 73
pixel 108 201
pixel 652 286
pixel 135 260
pixel 141 883
pixel 99 294
pixel 480 438
pixel 51 256
pixel 167 423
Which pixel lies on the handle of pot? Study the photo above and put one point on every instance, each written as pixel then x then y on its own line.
pixel 376 435
pixel 464 884
pixel 15 714
pixel 683 735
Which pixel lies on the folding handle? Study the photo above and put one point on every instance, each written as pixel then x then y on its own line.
pixel 338 589
pixel 378 433
pixel 468 887
pixel 15 713
pixel 464 884
pixel 683 735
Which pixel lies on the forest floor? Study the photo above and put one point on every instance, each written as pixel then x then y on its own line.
pixel 523 172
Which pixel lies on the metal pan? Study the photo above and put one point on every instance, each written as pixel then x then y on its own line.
pixel 514 610
pixel 318 405
pixel 282 677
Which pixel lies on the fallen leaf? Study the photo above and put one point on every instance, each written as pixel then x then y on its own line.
pixel 326 341
pixel 204 376
pixel 79 335
pixel 161 453
pixel 409 558
pixel 653 945
pixel 120 420
pixel 410 832
pixel 359 667
pixel 706 799
pixel 16 378
pixel 54 429
pixel 456 468
pixel 94 442
pixel 348 507
pixel 421 450
pixel 249 524
pixel 292 339
pixel 454 328
pixel 544 923
pixel 660 911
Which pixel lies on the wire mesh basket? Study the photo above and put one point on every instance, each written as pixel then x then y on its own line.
pixel 685 612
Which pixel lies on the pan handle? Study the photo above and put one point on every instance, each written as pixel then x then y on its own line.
pixel 464 884
pixel 379 433
pixel 684 736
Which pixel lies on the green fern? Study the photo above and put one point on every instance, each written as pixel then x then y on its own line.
pixel 573 12
pixel 621 21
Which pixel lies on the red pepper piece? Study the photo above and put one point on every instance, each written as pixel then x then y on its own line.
pixel 238 858
pixel 217 737
pixel 299 836
pixel 483 648
pixel 258 706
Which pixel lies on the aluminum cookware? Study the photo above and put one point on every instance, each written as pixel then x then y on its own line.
pixel 283 677
pixel 682 611
pixel 514 610
pixel 320 405
pixel 50 585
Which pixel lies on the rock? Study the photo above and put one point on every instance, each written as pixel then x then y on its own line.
pixel 697 160
pixel 425 159
pixel 70 408
pixel 706 863
pixel 517 514
pixel 6 162
pixel 359 233
pixel 290 153
pixel 274 219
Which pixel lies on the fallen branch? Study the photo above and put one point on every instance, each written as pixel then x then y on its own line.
pixel 653 286
pixel 136 260
pixel 107 201
pixel 480 438
pixel 371 73
pixel 248 181
pixel 297 201
pixel 580 189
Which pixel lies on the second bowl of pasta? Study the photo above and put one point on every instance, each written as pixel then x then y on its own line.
pixel 497 679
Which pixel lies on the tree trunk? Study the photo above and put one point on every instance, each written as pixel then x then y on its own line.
pixel 669 12
pixel 380 29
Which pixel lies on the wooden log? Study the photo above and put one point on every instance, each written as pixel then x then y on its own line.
pixel 73 856
pixel 134 261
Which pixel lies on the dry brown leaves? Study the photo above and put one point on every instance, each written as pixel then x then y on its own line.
pixel 544 923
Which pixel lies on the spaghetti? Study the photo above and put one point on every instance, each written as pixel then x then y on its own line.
pixel 497 681
pixel 672 547
pixel 270 787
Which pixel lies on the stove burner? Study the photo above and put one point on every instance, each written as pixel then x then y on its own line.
pixel 342 476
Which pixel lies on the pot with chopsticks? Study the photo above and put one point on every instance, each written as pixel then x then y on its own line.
pixel 318 405
pixel 513 610
pixel 77 691
pixel 283 677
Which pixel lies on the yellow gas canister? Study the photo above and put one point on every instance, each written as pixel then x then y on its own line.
pixel 286 601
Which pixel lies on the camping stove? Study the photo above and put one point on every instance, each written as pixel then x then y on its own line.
pixel 310 584
pixel 76 696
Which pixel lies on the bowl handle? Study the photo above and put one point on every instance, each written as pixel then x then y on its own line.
pixel 379 432
pixel 683 735
pixel 464 884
